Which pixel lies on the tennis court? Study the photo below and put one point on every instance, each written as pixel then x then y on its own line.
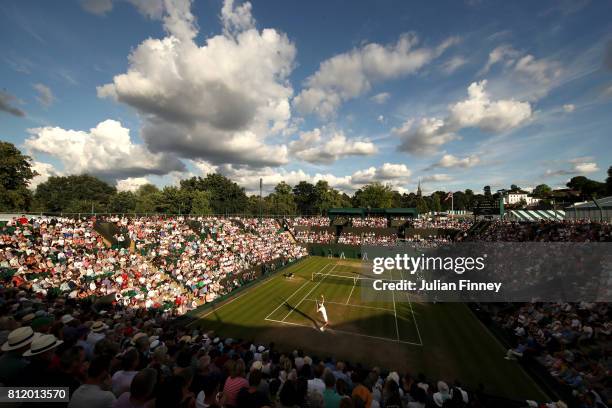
pixel 340 285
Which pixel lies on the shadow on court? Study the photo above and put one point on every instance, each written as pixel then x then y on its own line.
pixel 294 309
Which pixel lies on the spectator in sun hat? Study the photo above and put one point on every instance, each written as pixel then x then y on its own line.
pixel 41 353
pixel 96 332
pixel 12 363
pixel 26 319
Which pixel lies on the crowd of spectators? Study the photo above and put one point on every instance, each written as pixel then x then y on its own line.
pixel 372 222
pixel 455 223
pixel 308 221
pixel 572 341
pixel 101 321
pixel 547 231
pixel 367 238
pixel 177 262
pixel 122 357
pixel 315 236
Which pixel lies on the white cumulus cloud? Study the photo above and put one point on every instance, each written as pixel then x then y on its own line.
pixel 131 183
pixel 44 170
pixel 218 101
pixel 449 161
pixel 316 146
pixel 351 74
pixel 105 150
pixel 477 111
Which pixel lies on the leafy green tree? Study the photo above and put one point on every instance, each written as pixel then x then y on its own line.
pixel 487 191
pixel 587 187
pixel 609 181
pixel 147 197
pixel 435 202
pixel 173 200
pixel 282 201
pixel 15 175
pixel 304 195
pixel 65 194
pixel 225 195
pixel 200 203
pixel 542 191
pixel 122 202
pixel 421 205
pixel 374 195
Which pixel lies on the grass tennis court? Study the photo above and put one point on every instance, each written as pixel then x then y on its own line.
pixel 440 340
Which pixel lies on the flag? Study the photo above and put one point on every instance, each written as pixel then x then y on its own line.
pixel 449 196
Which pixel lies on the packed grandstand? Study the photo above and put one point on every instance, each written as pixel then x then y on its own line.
pixel 95 304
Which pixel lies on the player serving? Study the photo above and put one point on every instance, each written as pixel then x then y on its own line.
pixel 321 309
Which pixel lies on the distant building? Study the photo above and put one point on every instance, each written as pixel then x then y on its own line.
pixel 517 196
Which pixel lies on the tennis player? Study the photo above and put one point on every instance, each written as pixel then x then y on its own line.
pixel 321 309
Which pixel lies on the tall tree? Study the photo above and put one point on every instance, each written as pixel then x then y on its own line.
pixel 15 175
pixel 375 195
pixel 542 191
pixel 147 197
pixel 487 191
pixel 122 202
pixel 225 195
pixel 304 193
pixel 70 193
pixel 587 187
pixel 609 181
pixel 200 203
pixel 282 201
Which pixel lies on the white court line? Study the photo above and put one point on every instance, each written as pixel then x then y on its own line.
pixel 215 309
pixel 353 305
pixel 412 311
pixel 394 309
pixel 296 291
pixel 309 292
pixel 348 333
pixel 351 294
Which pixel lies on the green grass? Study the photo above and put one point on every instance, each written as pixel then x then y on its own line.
pixel 443 341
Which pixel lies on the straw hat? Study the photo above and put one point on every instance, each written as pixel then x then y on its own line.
pixel 41 344
pixel 98 327
pixel 28 318
pixel 67 318
pixel 18 338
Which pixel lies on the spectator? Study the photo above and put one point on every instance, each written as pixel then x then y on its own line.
pixel 94 393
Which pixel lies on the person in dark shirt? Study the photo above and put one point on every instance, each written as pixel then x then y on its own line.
pixel 251 397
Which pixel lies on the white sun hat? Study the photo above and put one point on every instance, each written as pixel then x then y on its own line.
pixel 42 343
pixel 18 338
pixel 98 326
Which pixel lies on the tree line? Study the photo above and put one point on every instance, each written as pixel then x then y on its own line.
pixel 217 194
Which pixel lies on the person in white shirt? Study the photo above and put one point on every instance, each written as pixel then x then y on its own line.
pixel 94 392
pixel 321 309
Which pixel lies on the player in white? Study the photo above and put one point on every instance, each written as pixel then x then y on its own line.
pixel 321 309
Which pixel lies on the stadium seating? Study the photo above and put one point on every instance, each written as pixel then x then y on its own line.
pixel 78 314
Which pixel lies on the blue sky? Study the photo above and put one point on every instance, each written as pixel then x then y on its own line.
pixel 456 94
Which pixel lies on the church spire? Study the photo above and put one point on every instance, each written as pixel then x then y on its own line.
pixel 419 189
